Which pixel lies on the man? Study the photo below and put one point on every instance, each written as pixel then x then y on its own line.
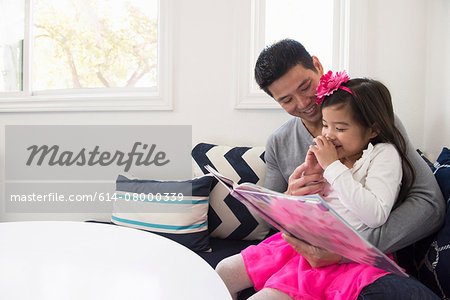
pixel 290 75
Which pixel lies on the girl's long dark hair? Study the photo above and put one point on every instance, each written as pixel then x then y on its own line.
pixel 371 105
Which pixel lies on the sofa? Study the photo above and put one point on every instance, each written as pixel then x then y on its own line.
pixel 215 225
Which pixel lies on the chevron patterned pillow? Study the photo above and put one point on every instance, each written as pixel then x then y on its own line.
pixel 227 217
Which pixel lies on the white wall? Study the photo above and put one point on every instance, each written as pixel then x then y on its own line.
pixel 397 54
pixel 408 49
pixel 437 108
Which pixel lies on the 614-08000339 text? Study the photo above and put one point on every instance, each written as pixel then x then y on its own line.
pixel 97 196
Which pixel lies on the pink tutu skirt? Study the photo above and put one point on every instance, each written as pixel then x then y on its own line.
pixel 275 264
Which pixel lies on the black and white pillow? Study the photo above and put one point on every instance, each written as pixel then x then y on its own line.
pixel 227 217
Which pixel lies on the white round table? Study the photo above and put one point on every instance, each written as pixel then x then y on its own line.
pixel 82 261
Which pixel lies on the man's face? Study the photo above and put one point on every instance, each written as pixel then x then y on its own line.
pixel 295 92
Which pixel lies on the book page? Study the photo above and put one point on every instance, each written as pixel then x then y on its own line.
pixel 227 182
pixel 310 219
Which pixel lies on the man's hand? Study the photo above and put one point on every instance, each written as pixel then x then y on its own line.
pixel 303 182
pixel 312 165
pixel 316 257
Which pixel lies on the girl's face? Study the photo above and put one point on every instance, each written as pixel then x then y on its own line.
pixel 349 137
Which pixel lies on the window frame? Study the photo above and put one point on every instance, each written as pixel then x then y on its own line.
pixel 99 99
pixel 249 41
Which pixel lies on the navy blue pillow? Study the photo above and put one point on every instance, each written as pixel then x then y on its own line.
pixel 442 172
pixel 177 210
pixel 435 271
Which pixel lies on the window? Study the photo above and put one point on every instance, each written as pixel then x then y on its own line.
pixel 90 54
pixel 309 22
pixel 319 25
pixel 11 45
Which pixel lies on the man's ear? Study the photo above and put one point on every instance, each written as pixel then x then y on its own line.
pixel 317 65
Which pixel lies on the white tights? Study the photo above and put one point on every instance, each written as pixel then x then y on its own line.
pixel 234 275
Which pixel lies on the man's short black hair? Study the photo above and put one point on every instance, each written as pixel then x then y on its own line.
pixel 276 60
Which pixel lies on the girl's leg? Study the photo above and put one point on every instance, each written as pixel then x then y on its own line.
pixel 234 275
pixel 270 294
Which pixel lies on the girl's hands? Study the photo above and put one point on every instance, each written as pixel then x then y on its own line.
pixel 324 151
pixel 307 178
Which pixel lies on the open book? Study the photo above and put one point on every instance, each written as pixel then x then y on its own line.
pixel 310 219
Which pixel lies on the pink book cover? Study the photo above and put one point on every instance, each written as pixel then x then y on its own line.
pixel 311 219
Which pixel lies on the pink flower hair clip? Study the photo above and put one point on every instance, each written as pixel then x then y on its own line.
pixel 329 83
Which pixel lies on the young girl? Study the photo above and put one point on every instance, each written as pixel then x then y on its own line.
pixel 362 156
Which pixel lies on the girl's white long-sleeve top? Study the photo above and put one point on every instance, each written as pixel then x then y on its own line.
pixel 365 194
